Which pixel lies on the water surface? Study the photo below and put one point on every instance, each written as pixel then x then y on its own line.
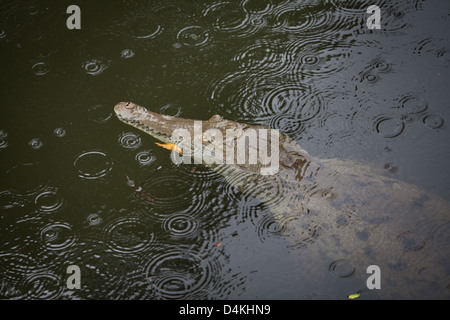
pixel 78 187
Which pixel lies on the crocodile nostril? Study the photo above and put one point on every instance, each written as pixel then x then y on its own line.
pixel 127 104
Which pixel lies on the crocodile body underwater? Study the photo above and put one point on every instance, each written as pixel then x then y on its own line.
pixel 344 210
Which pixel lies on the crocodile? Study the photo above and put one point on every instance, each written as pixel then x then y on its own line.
pixel 351 213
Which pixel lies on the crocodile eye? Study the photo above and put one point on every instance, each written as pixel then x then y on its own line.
pixel 216 118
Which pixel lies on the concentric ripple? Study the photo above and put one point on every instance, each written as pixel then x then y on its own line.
pixel 172 193
pixel 145 158
pixel 59 132
pixel 337 126
pixel 268 227
pixel 130 140
pixel 422 46
pixel 27 178
pixel 193 36
pixel 431 47
pixel 16 265
pixel 443 54
pixel 231 19
pixel 181 273
pixel 294 100
pixel 141 26
pixel 48 201
pixel 433 121
pixel 310 59
pixel 412 104
pixel 410 241
pixel 42 286
pixel 269 190
pixel 388 127
pixel 393 18
pixel 380 65
pixel 180 225
pixel 263 57
pixel 300 233
pixel 319 58
pixel 127 53
pixel 306 19
pixel 203 182
pixel 57 236
pixel 237 89
pixel 36 143
pixel 94 219
pixel 128 236
pixel 92 165
pixel 94 67
pixel 341 268
pixel 40 68
pixel 257 6
pixel 287 124
pixel 370 77
pixel 171 109
pixel 10 200
pixel 99 113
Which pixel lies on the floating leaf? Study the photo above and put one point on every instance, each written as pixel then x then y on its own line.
pixel 354 296
pixel 170 146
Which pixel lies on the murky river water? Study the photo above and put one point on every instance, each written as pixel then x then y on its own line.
pixel 78 187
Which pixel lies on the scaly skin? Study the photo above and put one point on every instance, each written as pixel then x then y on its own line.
pixel 340 210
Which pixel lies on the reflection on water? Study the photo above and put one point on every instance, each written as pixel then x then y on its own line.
pixel 78 187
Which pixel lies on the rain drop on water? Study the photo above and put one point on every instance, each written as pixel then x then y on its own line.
pixel 57 236
pixel 92 165
pixel 145 158
pixel 389 127
pixel 59 132
pixel 48 201
pixel 130 140
pixel 40 68
pixel 99 113
pixel 342 268
pixel 94 67
pixel 36 143
pixel 193 36
pixel 127 53
pixel 433 121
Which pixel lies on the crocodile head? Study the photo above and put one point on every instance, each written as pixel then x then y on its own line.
pixel 157 125
pixel 216 140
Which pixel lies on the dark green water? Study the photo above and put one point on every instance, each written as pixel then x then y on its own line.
pixel 78 187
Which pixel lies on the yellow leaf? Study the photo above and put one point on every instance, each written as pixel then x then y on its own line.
pixel 354 296
pixel 170 146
